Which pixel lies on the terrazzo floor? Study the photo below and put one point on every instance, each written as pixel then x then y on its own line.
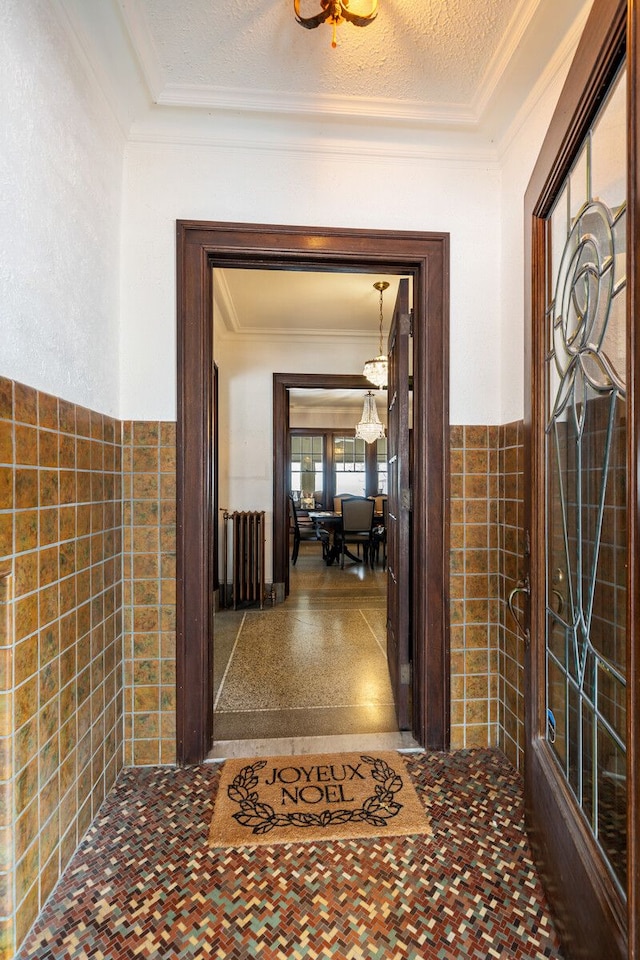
pixel 312 667
pixel 145 884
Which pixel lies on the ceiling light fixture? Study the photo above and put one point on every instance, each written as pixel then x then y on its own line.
pixel 376 370
pixel 370 428
pixel 335 12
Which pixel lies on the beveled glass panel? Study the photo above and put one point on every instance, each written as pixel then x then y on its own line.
pixel 557 705
pixel 612 700
pixel 557 534
pixel 557 635
pixel 586 476
pixel 589 782
pixel 574 740
pixel 558 228
pixel 578 182
pixel 609 149
pixel 612 804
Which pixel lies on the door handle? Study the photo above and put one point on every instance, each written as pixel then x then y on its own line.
pixel 522 586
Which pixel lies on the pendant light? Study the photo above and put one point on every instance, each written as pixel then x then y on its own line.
pixel 376 370
pixel 335 12
pixel 370 428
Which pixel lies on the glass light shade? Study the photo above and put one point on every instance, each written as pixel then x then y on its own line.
pixel 370 428
pixel 376 371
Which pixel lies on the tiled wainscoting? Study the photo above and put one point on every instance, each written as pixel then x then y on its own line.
pixel 60 635
pixel 474 603
pixel 149 569
pixel 487 706
pixel 511 546
pixel 87 618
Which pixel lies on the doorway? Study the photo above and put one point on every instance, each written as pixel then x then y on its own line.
pixel 425 257
pixel 314 663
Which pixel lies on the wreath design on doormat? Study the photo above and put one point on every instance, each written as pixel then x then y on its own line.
pixel 376 810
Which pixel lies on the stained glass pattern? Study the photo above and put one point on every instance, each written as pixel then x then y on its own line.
pixel 586 483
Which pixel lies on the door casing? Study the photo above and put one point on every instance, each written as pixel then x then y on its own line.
pixel 204 245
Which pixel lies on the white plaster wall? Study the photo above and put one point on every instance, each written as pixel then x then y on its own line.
pixel 166 182
pixel 60 196
pixel 245 390
pixel 518 161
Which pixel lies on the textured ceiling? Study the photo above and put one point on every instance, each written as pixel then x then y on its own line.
pixel 464 65
pixel 431 51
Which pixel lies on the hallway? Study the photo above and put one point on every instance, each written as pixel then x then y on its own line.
pixel 144 883
pixel 313 667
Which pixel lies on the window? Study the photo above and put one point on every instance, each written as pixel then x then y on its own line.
pixel 328 462
pixel 349 466
pixel 307 467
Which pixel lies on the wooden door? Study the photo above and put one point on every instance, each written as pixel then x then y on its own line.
pixel 399 510
pixel 580 511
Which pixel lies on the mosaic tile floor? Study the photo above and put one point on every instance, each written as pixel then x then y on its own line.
pixel 144 883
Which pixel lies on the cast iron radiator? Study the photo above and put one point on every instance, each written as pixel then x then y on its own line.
pixel 247 557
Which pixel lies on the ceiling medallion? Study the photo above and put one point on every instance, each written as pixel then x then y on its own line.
pixel 335 12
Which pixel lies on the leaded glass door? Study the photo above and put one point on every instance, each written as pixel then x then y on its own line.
pixel 586 502
pixel 578 766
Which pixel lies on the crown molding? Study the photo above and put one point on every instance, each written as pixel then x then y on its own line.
pixel 511 40
pixel 84 49
pixel 143 46
pixel 223 302
pixel 559 63
pixel 291 335
pixel 467 150
pixel 236 99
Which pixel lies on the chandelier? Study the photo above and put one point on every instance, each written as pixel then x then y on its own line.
pixel 335 12
pixel 376 370
pixel 370 428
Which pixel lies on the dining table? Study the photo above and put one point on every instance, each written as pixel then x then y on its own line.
pixel 331 521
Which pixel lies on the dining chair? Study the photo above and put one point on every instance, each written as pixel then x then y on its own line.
pixel 357 527
pixel 305 530
pixel 339 497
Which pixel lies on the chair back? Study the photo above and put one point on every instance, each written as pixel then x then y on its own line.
pixel 357 515
pixel 380 503
pixel 293 513
pixel 339 497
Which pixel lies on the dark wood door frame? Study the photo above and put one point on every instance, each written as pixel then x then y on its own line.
pixel 425 256
pixel 592 918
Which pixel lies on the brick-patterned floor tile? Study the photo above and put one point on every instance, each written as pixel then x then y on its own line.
pixel 144 883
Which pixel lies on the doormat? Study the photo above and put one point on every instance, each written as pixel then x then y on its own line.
pixel 335 796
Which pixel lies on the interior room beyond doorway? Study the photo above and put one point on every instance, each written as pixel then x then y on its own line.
pixel 310 673
pixel 316 665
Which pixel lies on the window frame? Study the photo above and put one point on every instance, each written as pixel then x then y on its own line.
pixel 329 434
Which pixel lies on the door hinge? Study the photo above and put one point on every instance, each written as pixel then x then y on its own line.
pixel 405 674
pixel 406 498
pixel 411 322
